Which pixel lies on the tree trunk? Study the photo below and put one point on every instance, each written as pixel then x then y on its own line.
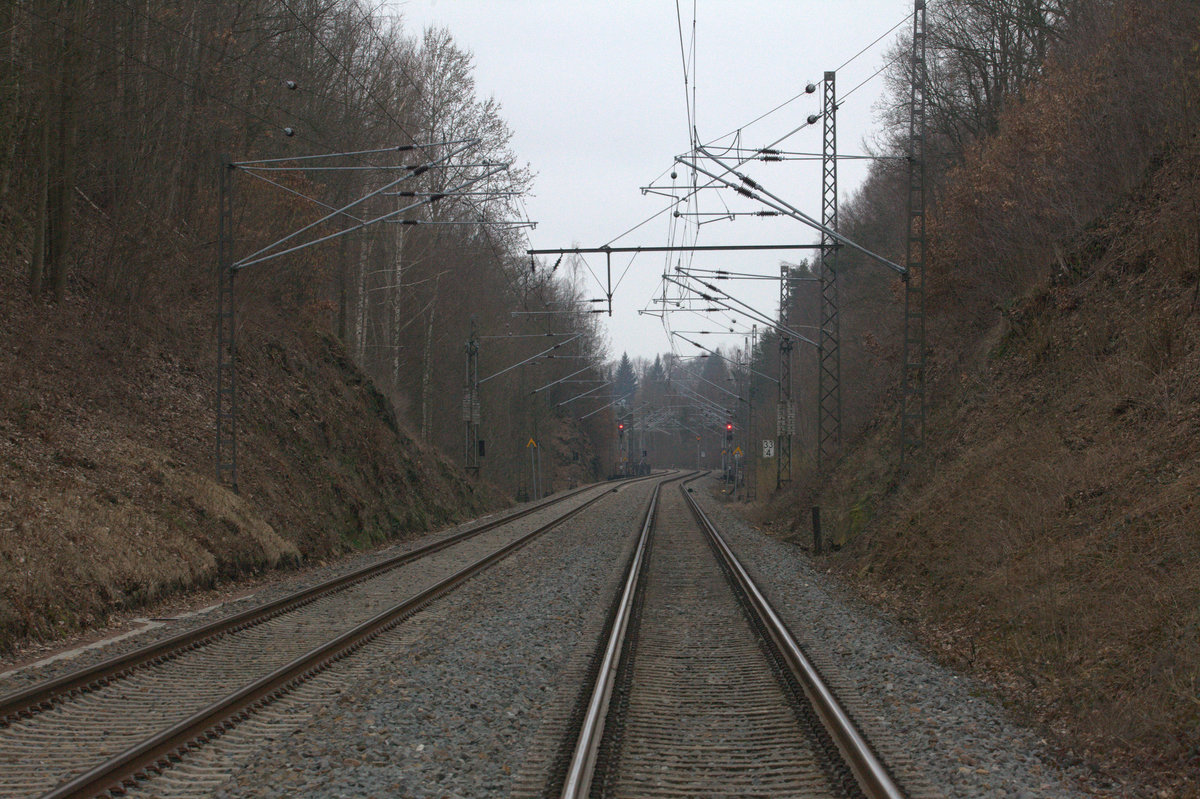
pixel 37 262
pixel 12 53
pixel 62 181
pixel 343 290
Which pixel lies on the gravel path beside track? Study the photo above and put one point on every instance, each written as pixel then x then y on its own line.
pixel 963 744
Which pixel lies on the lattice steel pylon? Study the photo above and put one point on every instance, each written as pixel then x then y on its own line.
pixel 751 455
pixel 226 343
pixel 784 410
pixel 912 412
pixel 829 358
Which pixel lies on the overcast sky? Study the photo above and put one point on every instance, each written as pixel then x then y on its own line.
pixel 594 93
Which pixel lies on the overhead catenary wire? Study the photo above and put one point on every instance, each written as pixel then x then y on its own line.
pixel 742 161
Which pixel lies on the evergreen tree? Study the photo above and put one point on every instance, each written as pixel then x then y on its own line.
pixel 626 381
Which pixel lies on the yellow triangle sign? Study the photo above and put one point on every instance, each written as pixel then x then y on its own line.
pixel 531 443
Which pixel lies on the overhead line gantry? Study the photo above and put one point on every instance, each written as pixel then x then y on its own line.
pixel 608 252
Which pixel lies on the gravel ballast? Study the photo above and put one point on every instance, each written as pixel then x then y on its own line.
pixel 451 712
pixel 963 744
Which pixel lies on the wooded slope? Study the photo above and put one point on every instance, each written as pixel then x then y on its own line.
pixel 1047 536
pixel 114 119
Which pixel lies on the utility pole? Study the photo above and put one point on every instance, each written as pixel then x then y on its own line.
pixel 472 445
pixel 622 448
pixel 534 468
pixel 751 453
pixel 829 359
pixel 226 327
pixel 784 410
pixel 912 413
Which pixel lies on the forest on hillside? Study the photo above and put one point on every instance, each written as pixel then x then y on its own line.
pixel 118 113
pixel 117 120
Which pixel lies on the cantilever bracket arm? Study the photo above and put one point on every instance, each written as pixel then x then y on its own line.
pixel 716 354
pixel 603 385
pixel 544 352
pixel 561 379
pixel 609 405
pixel 251 260
pixel 745 309
pixel 757 192
pixel 254 257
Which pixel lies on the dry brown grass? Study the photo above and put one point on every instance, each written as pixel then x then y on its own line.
pixel 107 494
pixel 1049 536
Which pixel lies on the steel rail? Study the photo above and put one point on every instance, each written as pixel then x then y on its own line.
pixel 159 751
pixel 42 696
pixel 577 784
pixel 873 777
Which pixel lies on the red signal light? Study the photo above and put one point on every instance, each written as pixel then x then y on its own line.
pixel 729 425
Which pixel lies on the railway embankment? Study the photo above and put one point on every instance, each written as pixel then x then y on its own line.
pixel 1046 536
pixel 108 496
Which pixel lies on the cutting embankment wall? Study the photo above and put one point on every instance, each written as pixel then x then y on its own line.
pixel 1047 538
pixel 108 497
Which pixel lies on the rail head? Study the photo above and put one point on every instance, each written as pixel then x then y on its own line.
pixel 872 775
pixel 577 784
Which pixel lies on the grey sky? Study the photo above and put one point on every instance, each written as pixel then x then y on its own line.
pixel 594 93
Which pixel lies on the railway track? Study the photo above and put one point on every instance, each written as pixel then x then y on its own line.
pixel 700 689
pixel 121 722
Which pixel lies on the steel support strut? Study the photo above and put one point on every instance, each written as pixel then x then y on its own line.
pixel 751 454
pixel 829 359
pixel 471 405
pixel 784 414
pixel 226 328
pixel 912 412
